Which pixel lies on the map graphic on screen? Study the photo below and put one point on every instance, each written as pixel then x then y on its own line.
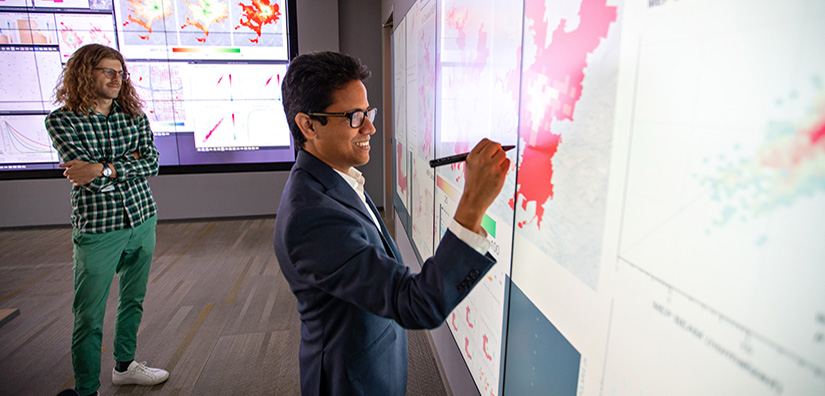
pixel 77 30
pixel 202 29
pixel 161 87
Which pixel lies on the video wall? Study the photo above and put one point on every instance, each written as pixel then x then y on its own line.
pixel 209 73
pixel 660 229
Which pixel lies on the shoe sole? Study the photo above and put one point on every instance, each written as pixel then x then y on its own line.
pixel 119 382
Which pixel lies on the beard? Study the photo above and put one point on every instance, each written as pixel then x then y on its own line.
pixel 107 92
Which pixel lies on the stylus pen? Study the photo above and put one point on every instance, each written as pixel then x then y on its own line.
pixel 458 158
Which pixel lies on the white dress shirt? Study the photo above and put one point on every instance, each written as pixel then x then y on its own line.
pixel 477 241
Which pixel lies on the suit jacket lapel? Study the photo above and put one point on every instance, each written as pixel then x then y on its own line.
pixel 335 186
pixel 389 244
pixel 339 190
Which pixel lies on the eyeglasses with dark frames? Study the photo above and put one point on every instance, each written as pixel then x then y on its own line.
pixel 110 73
pixel 356 118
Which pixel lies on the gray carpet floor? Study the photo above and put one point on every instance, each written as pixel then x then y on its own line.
pixel 218 315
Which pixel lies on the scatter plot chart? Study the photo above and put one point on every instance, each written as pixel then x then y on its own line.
pixel 236 106
pixel 27 77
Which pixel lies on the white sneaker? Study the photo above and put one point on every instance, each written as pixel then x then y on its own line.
pixel 139 374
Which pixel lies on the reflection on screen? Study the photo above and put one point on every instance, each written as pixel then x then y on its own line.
pixel 209 74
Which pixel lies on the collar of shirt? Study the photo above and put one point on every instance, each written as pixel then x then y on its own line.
pixel 115 109
pixel 478 241
pixel 355 180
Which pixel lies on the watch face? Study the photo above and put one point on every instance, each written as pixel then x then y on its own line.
pixel 107 171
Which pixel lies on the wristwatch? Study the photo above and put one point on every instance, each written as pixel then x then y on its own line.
pixel 107 171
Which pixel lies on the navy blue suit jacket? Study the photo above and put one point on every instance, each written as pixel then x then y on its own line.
pixel 355 296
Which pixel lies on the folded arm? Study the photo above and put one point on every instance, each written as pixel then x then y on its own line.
pixel 143 162
pixel 79 166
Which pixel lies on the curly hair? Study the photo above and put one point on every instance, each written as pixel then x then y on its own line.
pixel 310 81
pixel 75 86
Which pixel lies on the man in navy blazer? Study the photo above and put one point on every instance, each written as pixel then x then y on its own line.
pixel 355 296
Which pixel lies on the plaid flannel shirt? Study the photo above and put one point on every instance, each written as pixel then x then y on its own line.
pixel 108 204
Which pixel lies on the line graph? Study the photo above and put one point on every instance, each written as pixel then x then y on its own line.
pixel 23 139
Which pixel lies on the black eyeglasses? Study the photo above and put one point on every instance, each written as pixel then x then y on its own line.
pixel 356 118
pixel 110 73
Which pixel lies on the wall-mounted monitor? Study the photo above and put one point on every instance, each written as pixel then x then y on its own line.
pixel 209 74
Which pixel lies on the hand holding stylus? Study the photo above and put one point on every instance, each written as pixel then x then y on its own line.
pixel 458 158
pixel 486 168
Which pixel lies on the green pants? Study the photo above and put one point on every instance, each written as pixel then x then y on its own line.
pixel 97 257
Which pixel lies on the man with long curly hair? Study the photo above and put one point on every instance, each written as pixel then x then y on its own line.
pixel 108 152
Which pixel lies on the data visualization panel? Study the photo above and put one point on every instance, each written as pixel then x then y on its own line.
pixel 76 30
pixel 23 140
pixel 717 249
pixel 402 158
pixel 208 73
pixel 420 116
pixel 161 86
pixel 27 78
pixel 202 29
pixel 659 231
pixel 237 106
pixel 477 92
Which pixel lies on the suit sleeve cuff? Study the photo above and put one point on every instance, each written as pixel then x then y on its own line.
pixel 478 241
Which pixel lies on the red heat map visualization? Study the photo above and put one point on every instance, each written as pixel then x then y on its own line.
pixel 561 65
pixel 258 14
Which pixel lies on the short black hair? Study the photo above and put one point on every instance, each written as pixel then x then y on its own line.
pixel 310 81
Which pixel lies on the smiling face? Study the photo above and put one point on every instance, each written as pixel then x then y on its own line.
pixel 337 143
pixel 107 88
